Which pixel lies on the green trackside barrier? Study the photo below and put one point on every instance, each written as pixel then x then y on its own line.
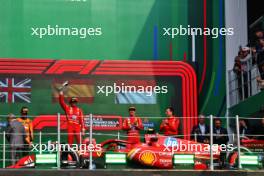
pixel 250 162
pixel 115 160
pixel 46 160
pixel 183 161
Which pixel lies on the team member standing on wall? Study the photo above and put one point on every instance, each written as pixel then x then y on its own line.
pixel 27 123
pixel 170 124
pixel 132 125
pixel 74 117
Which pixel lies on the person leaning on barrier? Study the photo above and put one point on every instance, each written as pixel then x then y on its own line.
pixel 201 131
pixel 28 125
pixel 244 129
pixel 220 138
pixel 220 133
pixel 170 125
pixel 260 63
pixel 15 135
pixel 237 70
pixel 258 130
pixel 240 68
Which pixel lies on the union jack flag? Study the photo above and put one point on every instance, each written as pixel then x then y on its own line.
pixel 15 90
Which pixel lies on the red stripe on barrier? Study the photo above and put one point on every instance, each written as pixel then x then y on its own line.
pixel 21 71
pixel 24 64
pixel 26 60
pixel 139 62
pixel 138 69
pixel 21 67
pixel 137 66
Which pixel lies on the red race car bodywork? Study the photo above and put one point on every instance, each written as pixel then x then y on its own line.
pixel 25 162
pixel 158 153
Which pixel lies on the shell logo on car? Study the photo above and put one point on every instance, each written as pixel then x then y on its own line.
pixel 147 157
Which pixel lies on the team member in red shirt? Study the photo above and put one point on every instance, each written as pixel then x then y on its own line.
pixel 170 124
pixel 74 117
pixel 132 125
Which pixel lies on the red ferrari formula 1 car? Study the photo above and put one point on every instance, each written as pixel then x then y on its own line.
pixel 156 152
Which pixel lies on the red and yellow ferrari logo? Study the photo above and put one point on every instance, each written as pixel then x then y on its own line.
pixel 99 153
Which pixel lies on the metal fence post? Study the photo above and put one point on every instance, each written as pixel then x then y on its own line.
pixel 238 141
pixel 91 140
pixel 4 149
pixel 237 94
pixel 58 137
pixel 248 78
pixel 211 143
pixel 242 85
